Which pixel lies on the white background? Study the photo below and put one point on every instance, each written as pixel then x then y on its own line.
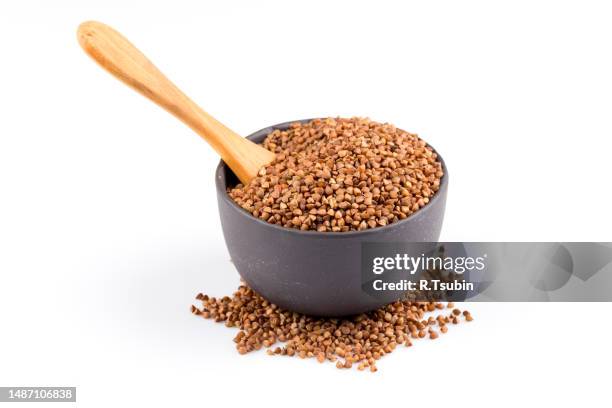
pixel 108 219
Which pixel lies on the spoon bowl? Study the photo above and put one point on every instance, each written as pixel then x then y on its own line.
pixel 316 273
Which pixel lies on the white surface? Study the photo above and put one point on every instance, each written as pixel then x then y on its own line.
pixel 108 224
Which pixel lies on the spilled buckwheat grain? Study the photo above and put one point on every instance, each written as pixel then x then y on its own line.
pixel 358 341
pixel 341 175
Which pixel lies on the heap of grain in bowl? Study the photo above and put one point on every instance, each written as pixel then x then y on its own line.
pixel 339 175
pixel 357 341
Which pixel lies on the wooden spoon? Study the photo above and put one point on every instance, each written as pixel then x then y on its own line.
pixel 119 57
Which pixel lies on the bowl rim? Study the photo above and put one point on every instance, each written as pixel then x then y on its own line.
pixel 221 187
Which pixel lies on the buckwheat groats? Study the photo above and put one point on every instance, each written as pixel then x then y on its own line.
pixel 338 175
pixel 358 341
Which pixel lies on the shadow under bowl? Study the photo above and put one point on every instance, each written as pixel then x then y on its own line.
pixel 315 273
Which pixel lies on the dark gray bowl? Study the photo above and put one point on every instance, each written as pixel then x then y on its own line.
pixel 317 273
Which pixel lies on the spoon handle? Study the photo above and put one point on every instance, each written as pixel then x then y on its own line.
pixel 122 59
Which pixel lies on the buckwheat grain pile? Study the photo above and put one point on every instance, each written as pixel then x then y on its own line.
pixel 341 175
pixel 360 340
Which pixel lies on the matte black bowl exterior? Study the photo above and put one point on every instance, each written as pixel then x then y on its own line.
pixel 317 273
